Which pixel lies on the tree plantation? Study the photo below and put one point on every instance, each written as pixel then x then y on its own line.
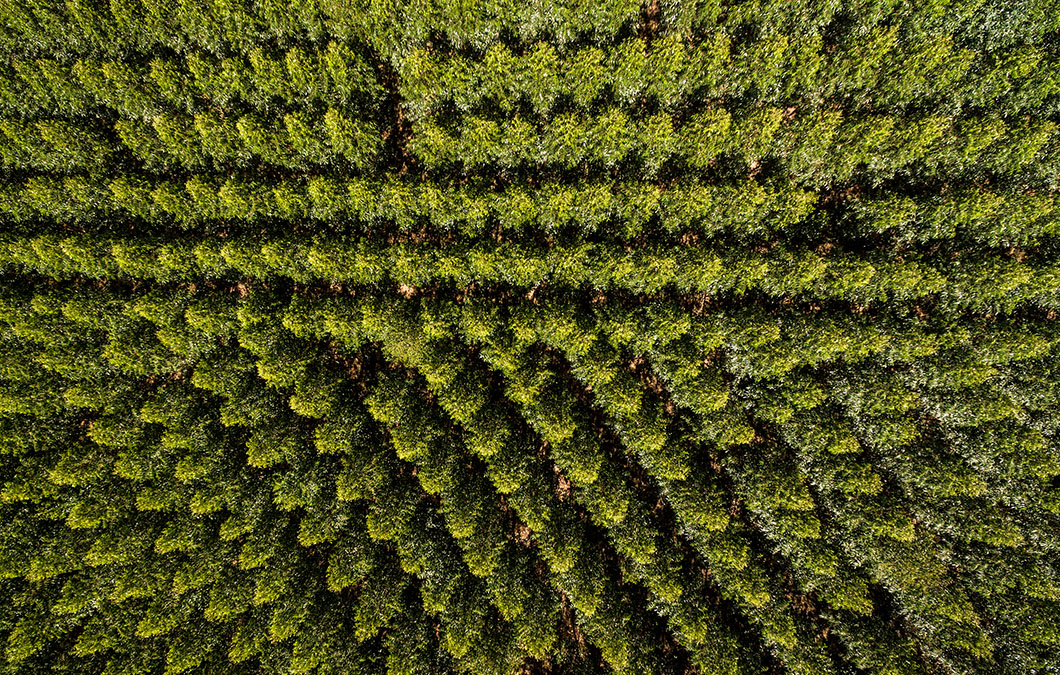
pixel 711 337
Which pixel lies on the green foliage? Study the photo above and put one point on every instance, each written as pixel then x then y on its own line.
pixel 580 337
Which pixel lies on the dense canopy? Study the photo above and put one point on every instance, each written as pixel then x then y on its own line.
pixel 530 336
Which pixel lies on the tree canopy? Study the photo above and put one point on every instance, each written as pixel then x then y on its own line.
pixel 710 337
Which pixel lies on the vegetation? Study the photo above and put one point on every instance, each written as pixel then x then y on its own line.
pixel 695 336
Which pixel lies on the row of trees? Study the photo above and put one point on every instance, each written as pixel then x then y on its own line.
pixel 331 75
pixel 877 70
pixel 897 33
pixel 820 150
pixel 622 209
pixel 746 209
pixel 203 142
pixel 222 28
pixel 212 142
pixel 980 283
